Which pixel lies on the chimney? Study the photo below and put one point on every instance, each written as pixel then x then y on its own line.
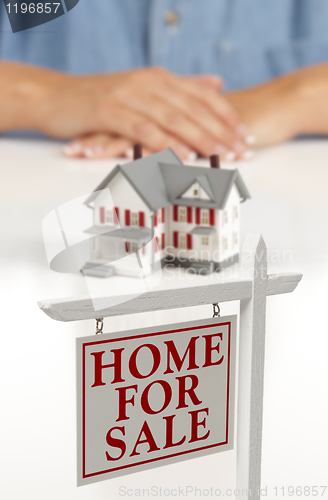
pixel 215 161
pixel 137 151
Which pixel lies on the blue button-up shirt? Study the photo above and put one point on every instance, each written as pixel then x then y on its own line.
pixel 245 41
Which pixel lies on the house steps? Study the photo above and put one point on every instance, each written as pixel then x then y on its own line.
pixel 98 268
pixel 199 266
pixel 203 268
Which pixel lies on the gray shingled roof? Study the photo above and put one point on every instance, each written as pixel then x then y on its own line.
pixel 203 230
pixel 146 178
pixel 162 179
pixel 128 233
pixel 178 178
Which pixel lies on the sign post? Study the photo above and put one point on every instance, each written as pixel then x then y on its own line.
pixel 251 285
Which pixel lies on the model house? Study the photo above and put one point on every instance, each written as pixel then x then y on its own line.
pixel 157 209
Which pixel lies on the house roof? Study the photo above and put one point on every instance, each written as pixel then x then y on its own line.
pixel 203 182
pixel 161 180
pixel 146 178
pixel 178 178
pixel 203 230
pixel 128 233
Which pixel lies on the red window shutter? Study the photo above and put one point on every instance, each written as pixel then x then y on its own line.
pixel 212 217
pixel 163 214
pixel 127 217
pixel 127 247
pixel 189 215
pixel 116 215
pixel 156 244
pixel 197 215
pixel 175 213
pixel 155 220
pixel 175 239
pixel 189 241
pixel 163 241
pixel 141 219
pixel 102 215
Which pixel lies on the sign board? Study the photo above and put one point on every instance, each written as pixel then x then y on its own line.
pixel 155 396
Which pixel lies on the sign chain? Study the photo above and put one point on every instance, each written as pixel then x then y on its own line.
pixel 99 325
pixel 216 311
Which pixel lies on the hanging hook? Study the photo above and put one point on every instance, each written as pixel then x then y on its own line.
pixel 216 311
pixel 99 325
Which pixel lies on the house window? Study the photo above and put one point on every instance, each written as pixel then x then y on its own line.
pixel 234 213
pixel 109 216
pixel 234 239
pixel 205 218
pixel 182 214
pixel 205 240
pixel 224 217
pixel 134 219
pixel 182 241
pixel 225 243
pixel 196 193
pixel 159 216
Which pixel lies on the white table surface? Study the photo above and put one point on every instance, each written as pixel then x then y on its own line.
pixel 289 206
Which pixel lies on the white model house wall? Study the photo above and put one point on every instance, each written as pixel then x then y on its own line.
pixel 223 243
pixel 123 197
pixel 160 233
pixel 229 226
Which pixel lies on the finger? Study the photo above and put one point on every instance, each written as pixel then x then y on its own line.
pixel 182 94
pixel 214 102
pixel 206 140
pixel 124 121
pixel 97 146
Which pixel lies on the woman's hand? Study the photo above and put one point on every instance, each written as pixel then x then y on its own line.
pixel 149 106
pixel 100 146
pixel 291 105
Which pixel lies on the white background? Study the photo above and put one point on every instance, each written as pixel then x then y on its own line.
pixel 37 432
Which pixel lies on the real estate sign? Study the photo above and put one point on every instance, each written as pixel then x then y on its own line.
pixel 155 396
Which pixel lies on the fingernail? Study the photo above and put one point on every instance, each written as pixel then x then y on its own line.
pixel 242 129
pixel 183 152
pixel 224 153
pixel 221 150
pixel 89 153
pixel 230 156
pixel 96 150
pixel 248 155
pixel 250 139
pixel 239 147
pixel 192 156
pixel 72 148
pixel 129 153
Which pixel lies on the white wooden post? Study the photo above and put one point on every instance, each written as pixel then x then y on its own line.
pixel 251 370
pixel 251 286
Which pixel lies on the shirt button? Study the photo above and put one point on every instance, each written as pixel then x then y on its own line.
pixel 171 18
